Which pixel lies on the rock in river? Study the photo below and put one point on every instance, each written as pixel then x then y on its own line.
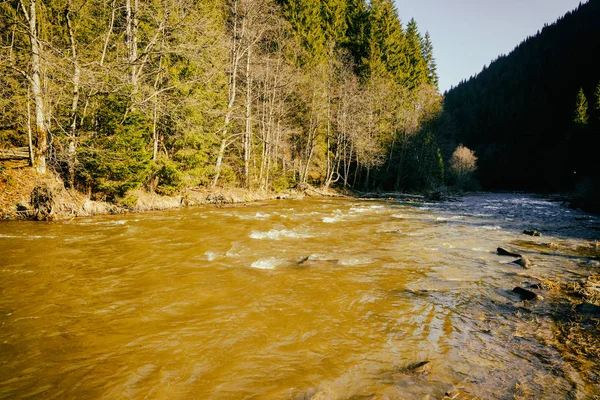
pixel 532 233
pixel 523 262
pixel 525 294
pixel 589 308
pixel 504 252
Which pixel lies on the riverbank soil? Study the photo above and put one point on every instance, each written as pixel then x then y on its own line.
pixel 25 194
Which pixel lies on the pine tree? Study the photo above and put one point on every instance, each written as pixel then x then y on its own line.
pixel 357 16
pixel 427 48
pixel 418 72
pixel 307 24
pixel 387 42
pixel 581 109
pixel 335 24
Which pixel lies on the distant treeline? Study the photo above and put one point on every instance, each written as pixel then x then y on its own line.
pixel 118 94
pixel 533 117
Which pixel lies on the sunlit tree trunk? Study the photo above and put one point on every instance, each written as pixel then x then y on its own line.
pixel 75 101
pixel 248 131
pixel 36 87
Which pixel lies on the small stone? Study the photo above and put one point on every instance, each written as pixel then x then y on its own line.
pixel 523 262
pixel 588 308
pixel 532 233
pixel 302 260
pixel 525 294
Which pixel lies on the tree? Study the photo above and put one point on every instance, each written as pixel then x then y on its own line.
pixel 463 164
pixel 427 48
pixel 581 109
pixel 176 93
pixel 418 72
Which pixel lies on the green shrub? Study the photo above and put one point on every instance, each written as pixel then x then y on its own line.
pixel 128 201
pixel 284 182
pixel 115 159
pixel 169 180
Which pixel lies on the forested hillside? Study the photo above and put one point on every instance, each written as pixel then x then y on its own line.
pixel 519 114
pixel 118 94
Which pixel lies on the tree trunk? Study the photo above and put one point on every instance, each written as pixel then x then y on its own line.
pixel 155 114
pixel 248 131
pixel 131 38
pixel 110 29
pixel 29 136
pixel 231 94
pixel 36 88
pixel 75 102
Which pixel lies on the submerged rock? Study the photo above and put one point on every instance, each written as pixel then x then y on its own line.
pixel 421 367
pixel 523 262
pixel 302 260
pixel 588 308
pixel 504 252
pixel 532 233
pixel 538 286
pixel 525 294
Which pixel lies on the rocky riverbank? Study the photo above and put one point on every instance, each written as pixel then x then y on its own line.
pixel 26 195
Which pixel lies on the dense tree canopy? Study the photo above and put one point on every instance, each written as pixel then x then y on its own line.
pixel 116 94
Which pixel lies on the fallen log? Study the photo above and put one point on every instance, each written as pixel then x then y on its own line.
pixel 16 153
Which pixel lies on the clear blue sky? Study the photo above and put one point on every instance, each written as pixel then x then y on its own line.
pixel 468 34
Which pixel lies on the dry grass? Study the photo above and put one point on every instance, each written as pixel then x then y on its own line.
pixel 17 185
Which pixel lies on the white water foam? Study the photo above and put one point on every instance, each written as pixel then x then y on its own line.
pixel 492 228
pixel 355 261
pixel 258 216
pixel 331 220
pixel 275 234
pixel 26 237
pixel 211 255
pixel 267 263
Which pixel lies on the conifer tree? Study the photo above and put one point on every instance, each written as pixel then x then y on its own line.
pixel 387 42
pixel 418 72
pixel 581 109
pixel 357 15
pixel 427 47
pixel 335 24
pixel 307 24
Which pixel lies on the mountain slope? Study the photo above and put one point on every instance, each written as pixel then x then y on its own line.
pixel 518 113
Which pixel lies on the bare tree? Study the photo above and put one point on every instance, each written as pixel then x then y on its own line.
pixel 463 163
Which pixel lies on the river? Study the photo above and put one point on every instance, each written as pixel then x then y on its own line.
pixel 294 299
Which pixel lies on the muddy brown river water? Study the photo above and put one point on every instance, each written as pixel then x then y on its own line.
pixel 314 298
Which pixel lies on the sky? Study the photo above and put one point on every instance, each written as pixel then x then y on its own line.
pixel 468 34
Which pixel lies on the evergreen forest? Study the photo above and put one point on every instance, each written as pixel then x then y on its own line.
pixel 114 95
pixel 533 116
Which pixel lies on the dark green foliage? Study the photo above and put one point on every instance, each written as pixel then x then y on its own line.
pixel 165 177
pixel 517 114
pixel 580 116
pixel 419 69
pixel 114 158
pixel 427 49
pixel 387 43
pixel 306 20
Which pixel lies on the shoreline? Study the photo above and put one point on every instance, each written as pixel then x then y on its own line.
pixel 27 196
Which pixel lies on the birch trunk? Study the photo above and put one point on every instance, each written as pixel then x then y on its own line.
pixel 248 131
pixel 36 88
